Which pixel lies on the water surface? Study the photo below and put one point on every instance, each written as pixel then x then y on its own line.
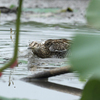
pixel 10 83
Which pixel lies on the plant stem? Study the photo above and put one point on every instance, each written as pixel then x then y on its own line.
pixel 16 39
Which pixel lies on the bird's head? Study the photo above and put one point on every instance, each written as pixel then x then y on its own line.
pixel 33 45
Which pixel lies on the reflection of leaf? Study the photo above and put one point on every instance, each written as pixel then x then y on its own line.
pixel 85 54
pixel 93 13
pixel 91 90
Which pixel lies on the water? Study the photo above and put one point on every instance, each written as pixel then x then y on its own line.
pixel 10 83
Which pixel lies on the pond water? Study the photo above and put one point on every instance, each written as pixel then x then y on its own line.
pixel 10 83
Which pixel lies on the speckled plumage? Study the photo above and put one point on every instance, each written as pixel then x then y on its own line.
pixel 51 47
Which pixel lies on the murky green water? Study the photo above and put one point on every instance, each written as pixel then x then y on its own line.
pixel 11 86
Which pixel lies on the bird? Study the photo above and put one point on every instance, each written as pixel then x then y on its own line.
pixel 50 48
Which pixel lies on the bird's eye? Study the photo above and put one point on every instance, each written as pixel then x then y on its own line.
pixel 48 44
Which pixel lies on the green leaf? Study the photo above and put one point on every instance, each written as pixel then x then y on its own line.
pixel 42 10
pixel 85 54
pixel 12 6
pixel 91 90
pixel 23 61
pixel 4 98
pixel 93 13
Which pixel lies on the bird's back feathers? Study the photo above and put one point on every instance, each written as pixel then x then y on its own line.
pixel 51 47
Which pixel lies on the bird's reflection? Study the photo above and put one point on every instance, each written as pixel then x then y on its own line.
pixel 61 88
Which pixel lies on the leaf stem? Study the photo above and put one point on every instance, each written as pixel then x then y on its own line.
pixel 16 39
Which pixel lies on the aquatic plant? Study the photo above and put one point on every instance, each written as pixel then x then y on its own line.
pixel 13 62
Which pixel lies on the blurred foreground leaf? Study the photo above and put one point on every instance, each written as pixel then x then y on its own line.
pixel 91 90
pixel 85 54
pixel 93 13
pixel 4 98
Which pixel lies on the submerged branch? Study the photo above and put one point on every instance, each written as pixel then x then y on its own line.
pixel 50 73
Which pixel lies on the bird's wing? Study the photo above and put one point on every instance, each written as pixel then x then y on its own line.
pixel 59 47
